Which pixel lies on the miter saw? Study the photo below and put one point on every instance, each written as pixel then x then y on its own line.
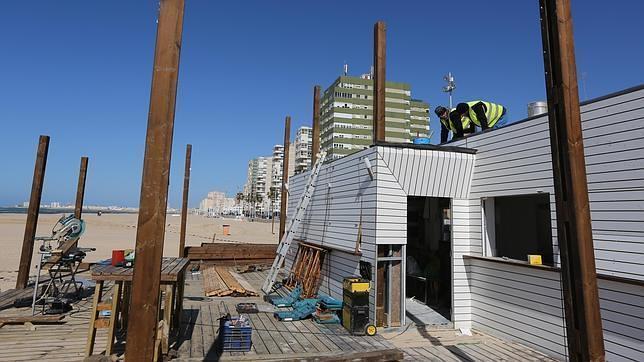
pixel 60 255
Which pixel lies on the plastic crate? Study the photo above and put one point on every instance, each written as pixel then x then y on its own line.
pixel 234 338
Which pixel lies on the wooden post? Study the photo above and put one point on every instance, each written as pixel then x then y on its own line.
pixel 315 133
pixel 32 213
pixel 80 190
pixel 184 206
pixel 574 232
pixel 379 60
pixel 287 144
pixel 142 330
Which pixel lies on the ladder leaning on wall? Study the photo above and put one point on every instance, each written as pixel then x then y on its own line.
pixel 293 225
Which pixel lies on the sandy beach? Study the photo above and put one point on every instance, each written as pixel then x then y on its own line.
pixel 118 231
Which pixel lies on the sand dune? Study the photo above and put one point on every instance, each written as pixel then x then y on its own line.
pixel 118 231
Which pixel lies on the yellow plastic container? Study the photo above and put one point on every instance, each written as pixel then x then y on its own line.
pixel 534 259
pixel 355 285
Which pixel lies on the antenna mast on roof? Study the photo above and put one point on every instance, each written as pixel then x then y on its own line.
pixel 346 69
pixel 449 88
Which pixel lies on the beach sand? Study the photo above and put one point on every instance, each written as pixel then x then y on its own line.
pixel 118 231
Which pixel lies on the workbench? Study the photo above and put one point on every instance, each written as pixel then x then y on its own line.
pixel 172 283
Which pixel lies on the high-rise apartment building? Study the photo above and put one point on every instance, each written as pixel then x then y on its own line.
pixel 258 180
pixel 302 148
pixel 264 180
pixel 347 115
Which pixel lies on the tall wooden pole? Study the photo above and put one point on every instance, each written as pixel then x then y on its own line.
pixel 184 206
pixel 379 60
pixel 32 213
pixel 80 189
pixel 315 136
pixel 574 232
pixel 287 145
pixel 142 330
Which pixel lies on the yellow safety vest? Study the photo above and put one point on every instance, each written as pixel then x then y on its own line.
pixel 493 113
pixel 450 125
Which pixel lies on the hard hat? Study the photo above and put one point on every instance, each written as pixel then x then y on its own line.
pixel 440 110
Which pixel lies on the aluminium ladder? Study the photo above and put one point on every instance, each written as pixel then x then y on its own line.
pixel 293 225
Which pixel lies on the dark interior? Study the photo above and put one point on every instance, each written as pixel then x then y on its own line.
pixel 428 266
pixel 522 226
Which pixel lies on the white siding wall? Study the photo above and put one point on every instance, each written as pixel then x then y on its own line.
pixel 333 215
pixel 343 189
pixel 406 172
pixel 507 296
pixel 514 160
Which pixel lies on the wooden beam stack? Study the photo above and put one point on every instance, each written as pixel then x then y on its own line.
pixel 231 253
pixel 218 281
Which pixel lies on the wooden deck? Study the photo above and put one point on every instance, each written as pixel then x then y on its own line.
pixel 272 340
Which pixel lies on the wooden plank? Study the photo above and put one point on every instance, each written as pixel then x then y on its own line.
pixel 323 345
pixel 91 338
pixel 213 285
pixel 116 297
pixel 281 341
pixel 262 341
pixel 209 327
pixel 228 279
pixel 301 339
pixel 196 340
pixel 31 319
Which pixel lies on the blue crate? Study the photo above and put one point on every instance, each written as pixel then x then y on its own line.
pixel 234 338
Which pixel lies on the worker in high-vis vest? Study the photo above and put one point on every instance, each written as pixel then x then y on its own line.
pixel 483 114
pixel 458 128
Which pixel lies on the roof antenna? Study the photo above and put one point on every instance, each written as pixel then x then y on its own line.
pixel 346 68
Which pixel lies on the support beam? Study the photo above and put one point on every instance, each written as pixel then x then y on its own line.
pixel 80 190
pixel 184 206
pixel 315 136
pixel 142 330
pixel 379 60
pixel 574 232
pixel 32 213
pixel 284 194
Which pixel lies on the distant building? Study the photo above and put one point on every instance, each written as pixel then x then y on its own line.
pixel 216 203
pixel 264 181
pixel 302 149
pixel 347 115
pixel 258 181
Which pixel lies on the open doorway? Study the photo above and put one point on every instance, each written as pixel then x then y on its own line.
pixel 428 289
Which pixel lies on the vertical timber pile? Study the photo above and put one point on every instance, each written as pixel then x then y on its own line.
pixel 32 213
pixel 379 56
pixel 287 145
pixel 315 133
pixel 574 232
pixel 142 330
pixel 80 189
pixel 184 205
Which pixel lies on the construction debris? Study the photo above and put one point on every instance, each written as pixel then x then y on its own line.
pixel 218 281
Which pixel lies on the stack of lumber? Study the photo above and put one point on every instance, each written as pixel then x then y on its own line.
pixel 232 253
pixel 219 281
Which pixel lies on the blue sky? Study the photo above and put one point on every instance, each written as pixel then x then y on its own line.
pixel 80 72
